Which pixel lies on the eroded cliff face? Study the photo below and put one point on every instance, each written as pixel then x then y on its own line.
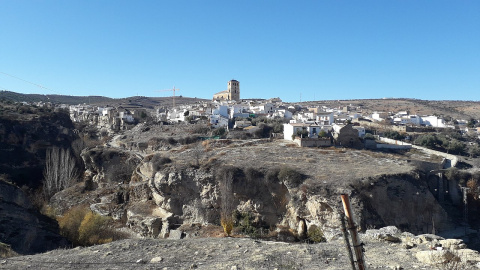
pixel 402 200
pixel 24 139
pixel 157 199
pixel 23 228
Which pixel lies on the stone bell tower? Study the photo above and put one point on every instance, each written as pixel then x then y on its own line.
pixel 233 90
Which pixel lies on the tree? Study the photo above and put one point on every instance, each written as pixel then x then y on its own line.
pixel 369 136
pixel 428 140
pixel 302 133
pixel 474 151
pixel 471 123
pixel 394 135
pixel 227 207
pixel 219 131
pixel 455 146
pixel 60 171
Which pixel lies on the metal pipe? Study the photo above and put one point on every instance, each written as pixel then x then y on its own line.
pixel 353 232
pixel 347 242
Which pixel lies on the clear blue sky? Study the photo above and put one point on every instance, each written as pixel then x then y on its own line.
pixel 317 49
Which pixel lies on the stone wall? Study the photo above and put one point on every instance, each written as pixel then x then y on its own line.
pixel 313 142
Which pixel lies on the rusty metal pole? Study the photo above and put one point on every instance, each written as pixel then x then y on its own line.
pixel 347 242
pixel 353 232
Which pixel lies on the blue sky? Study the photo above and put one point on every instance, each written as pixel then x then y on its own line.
pixel 288 49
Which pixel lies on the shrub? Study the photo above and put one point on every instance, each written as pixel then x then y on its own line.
pixel 93 230
pixel 302 133
pixel 246 224
pixel 428 140
pixel 171 140
pixel 322 134
pixel 315 235
pixel 394 135
pixel 6 251
pixel 271 176
pixel 158 161
pixel 188 140
pixel 290 177
pixel 70 223
pixel 219 132
pixel 83 227
pixel 369 136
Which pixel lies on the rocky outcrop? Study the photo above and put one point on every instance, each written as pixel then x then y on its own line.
pixel 23 228
pixel 24 139
pixel 155 198
pixel 402 200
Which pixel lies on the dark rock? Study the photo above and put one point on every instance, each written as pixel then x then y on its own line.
pixel 22 227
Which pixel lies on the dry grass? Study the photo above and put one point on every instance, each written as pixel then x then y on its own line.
pixel 332 165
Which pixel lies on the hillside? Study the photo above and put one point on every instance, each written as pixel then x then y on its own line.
pixel 134 101
pixel 457 109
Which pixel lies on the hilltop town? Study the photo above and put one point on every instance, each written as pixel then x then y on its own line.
pixel 307 123
pixel 161 172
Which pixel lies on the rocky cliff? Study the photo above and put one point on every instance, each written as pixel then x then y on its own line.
pixel 22 227
pixel 153 195
pixel 24 138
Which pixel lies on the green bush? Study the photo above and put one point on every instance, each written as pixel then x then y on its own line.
pixel 369 136
pixel 394 135
pixel 245 222
pixel 219 131
pixel 315 235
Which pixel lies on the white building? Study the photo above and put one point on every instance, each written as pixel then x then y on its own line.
pixel 379 116
pixel 433 121
pixel 312 129
pixel 218 121
pixel 325 118
pixel 408 120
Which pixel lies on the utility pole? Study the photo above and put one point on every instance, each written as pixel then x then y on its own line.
pixel 173 98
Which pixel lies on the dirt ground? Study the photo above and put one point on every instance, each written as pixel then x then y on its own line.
pixel 220 253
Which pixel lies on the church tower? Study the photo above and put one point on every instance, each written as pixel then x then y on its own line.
pixel 233 90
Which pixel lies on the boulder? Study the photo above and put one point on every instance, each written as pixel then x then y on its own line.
pixel 390 234
pixel 452 244
pixel 436 257
pixel 175 234
pixel 468 255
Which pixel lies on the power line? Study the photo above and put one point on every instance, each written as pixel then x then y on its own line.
pixel 37 85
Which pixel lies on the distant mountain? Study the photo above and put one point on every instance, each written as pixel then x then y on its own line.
pixel 136 101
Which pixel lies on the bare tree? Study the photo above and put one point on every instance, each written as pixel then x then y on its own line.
pixel 60 171
pixel 227 207
pixel 197 153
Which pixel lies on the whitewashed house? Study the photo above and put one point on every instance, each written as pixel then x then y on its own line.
pixel 282 113
pixel 361 131
pixel 433 121
pixel 324 118
pixel 218 121
pixel 408 120
pixel 379 116
pixel 312 129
